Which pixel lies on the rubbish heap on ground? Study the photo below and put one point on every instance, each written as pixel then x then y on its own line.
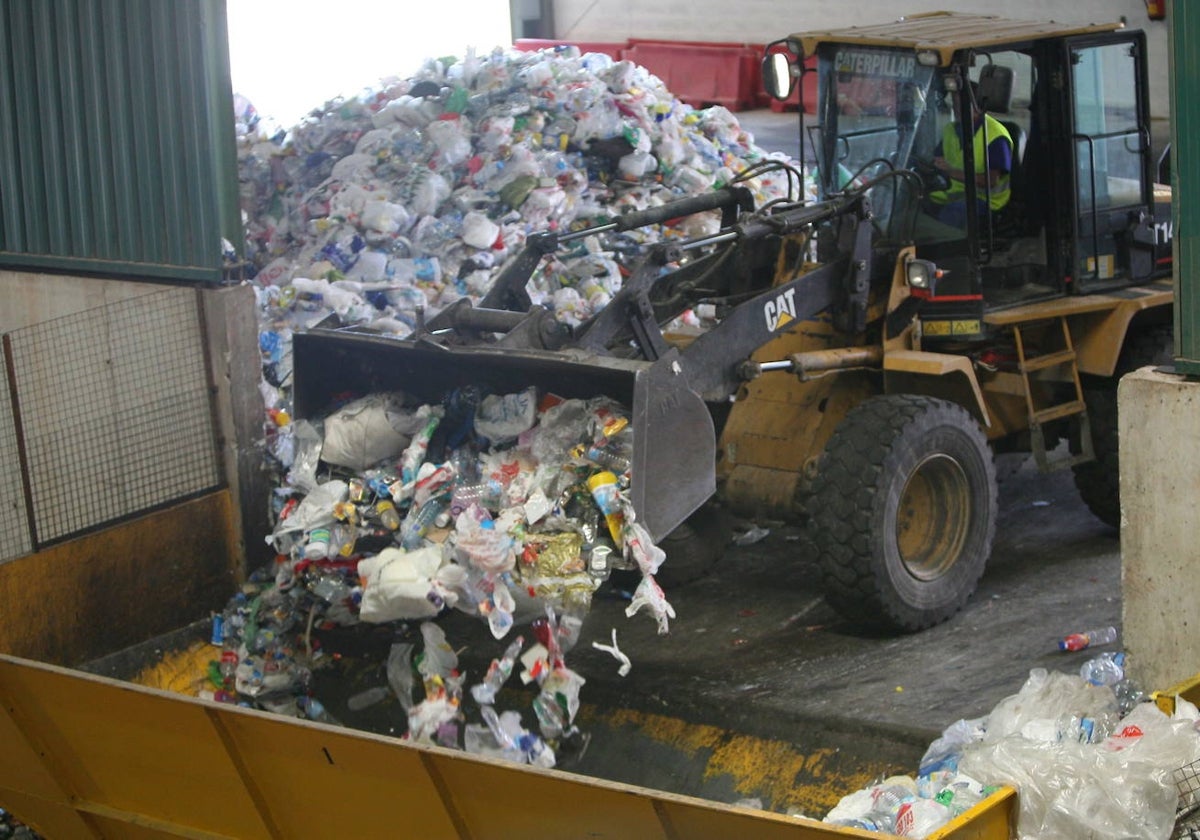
pixel 377 212
pixel 1088 755
pixel 412 197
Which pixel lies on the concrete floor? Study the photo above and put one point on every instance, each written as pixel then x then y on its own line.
pixel 755 651
pixel 757 635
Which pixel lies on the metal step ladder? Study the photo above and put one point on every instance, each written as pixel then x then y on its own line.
pixel 1040 415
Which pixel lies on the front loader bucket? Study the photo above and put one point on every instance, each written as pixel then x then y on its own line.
pixel 674 442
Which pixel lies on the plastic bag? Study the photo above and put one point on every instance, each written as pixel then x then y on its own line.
pixel 1121 786
pixel 402 584
pixel 307 455
pixel 315 510
pixel 943 754
pixel 1046 696
pixel 650 595
pixel 400 673
pixel 485 547
pixel 479 231
pixel 502 418
pixel 367 431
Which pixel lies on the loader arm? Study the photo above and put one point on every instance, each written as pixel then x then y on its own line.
pixel 620 353
pixel 639 308
pixel 508 289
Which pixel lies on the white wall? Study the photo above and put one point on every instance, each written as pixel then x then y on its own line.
pixel 290 56
pixel 758 21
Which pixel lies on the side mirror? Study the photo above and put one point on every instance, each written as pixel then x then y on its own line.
pixel 777 75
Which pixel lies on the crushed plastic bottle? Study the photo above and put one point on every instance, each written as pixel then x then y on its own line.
pixel 498 673
pixel 1129 695
pixel 887 800
pixel 604 489
pixel 754 535
pixel 366 699
pixel 315 710
pixel 486 494
pixel 1105 669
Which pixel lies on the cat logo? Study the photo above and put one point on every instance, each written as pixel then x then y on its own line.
pixel 781 311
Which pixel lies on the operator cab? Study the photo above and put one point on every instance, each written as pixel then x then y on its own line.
pixel 1042 123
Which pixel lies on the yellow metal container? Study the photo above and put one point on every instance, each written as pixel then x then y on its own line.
pixel 87 756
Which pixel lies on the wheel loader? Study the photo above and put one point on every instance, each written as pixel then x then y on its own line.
pixel 866 356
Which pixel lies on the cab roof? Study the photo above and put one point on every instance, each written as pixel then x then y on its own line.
pixel 948 32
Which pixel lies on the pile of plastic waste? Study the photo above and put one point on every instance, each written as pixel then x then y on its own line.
pixel 13 829
pixel 413 196
pixel 1088 755
pixel 512 508
pixel 376 212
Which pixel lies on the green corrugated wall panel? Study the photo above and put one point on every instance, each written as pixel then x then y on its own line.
pixel 1185 179
pixel 117 153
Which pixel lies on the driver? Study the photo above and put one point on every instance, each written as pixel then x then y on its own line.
pixel 950 205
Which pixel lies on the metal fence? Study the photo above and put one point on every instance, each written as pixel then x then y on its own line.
pixel 106 414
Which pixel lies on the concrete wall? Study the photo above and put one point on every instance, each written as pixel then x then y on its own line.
pixel 759 21
pixel 1160 519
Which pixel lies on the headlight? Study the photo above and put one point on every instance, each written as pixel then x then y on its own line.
pixel 929 58
pixel 921 273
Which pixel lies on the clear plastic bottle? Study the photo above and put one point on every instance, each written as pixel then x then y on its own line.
pixel 497 674
pixel 486 494
pixel 855 822
pixel 419 520
pixel 888 799
pixel 400 673
pixel 315 710
pixel 387 514
pixel 1105 669
pixel 366 699
pixel 228 665
pixel 919 817
pixel 330 588
pixel 609 457
pixel 1088 638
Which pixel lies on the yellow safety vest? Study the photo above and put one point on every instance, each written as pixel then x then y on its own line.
pixel 953 153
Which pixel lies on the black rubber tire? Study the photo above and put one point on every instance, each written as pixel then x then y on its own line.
pixel 890 458
pixel 695 547
pixel 1099 481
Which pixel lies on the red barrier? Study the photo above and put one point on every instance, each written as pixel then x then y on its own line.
pixel 703 73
